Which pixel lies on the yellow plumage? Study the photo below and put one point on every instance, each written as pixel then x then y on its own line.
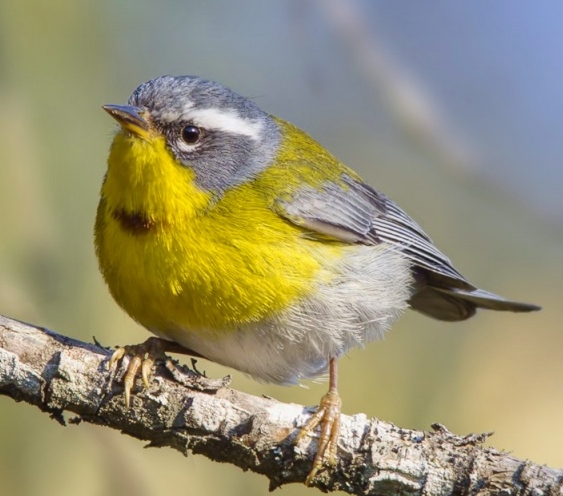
pixel 202 266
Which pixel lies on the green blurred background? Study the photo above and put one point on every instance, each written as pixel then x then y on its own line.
pixel 453 109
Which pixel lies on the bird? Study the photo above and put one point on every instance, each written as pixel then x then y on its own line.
pixel 232 235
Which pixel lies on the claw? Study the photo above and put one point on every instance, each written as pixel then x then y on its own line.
pixel 118 354
pixel 328 417
pixel 129 379
pixel 146 370
pixel 143 356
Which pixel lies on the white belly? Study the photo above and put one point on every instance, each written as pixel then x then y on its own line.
pixel 368 290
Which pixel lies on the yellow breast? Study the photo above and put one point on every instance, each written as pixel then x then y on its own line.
pixel 172 258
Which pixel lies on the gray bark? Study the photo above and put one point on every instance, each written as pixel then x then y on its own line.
pixel 70 380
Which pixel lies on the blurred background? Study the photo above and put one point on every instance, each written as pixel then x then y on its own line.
pixel 451 108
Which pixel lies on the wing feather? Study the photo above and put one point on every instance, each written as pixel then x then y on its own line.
pixel 353 212
pixel 345 209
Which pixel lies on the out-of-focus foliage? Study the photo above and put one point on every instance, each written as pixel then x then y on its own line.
pixel 489 69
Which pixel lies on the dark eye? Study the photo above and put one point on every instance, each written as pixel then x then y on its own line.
pixel 191 134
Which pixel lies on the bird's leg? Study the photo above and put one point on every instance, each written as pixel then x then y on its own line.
pixel 143 356
pixel 328 416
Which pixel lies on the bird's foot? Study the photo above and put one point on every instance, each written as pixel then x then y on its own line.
pixel 142 356
pixel 328 416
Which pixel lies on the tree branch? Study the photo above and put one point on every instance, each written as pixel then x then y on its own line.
pixel 58 374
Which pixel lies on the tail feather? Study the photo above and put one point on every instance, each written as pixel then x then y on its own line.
pixel 484 299
pixel 455 304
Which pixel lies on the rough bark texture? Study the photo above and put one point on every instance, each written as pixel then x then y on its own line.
pixel 60 375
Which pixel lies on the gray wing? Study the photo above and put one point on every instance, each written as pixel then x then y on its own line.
pixel 356 213
pixel 353 212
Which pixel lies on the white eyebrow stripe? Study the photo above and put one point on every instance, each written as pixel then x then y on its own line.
pixel 224 120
